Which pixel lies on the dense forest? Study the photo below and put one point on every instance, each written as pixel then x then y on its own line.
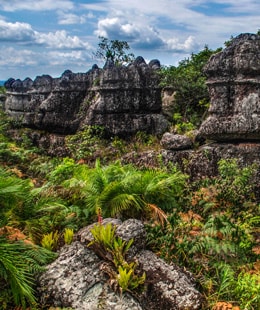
pixel 209 227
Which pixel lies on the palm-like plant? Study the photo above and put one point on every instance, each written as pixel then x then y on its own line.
pixel 18 264
pixel 126 191
pixel 18 261
pixel 13 192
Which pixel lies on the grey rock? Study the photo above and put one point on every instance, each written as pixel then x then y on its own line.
pixel 85 236
pixel 123 100
pixel 234 88
pixel 155 64
pixel 69 277
pixel 168 104
pixel 171 141
pixel 139 61
pixel 75 279
pixel 133 229
pixel 203 161
pixel 172 287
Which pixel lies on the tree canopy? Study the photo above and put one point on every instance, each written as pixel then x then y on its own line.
pixel 114 50
pixel 188 82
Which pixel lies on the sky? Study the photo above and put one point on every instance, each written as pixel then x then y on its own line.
pixel 50 36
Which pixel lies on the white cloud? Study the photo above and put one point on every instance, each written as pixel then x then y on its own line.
pixel 16 32
pixel 60 40
pixel 187 46
pixel 70 18
pixel 140 35
pixel 167 29
pixel 58 58
pixel 23 63
pixel 242 6
pixel 24 34
pixel 13 57
pixel 35 5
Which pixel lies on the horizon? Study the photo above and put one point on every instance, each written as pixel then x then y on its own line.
pixel 49 37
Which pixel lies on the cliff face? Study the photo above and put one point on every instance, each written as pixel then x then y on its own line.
pixel 233 79
pixel 47 103
pixel 124 100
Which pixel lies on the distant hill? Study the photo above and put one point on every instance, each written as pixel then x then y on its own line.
pixel 2 83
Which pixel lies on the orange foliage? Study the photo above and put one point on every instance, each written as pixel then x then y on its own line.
pixel 14 234
pixel 221 305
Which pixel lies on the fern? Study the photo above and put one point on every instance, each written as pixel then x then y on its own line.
pixel 247 290
pixel 68 235
pixel 50 241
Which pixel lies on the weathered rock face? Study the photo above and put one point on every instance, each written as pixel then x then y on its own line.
pixel 233 79
pixel 124 100
pixel 47 103
pixel 75 278
pixel 202 162
pixel 176 142
pixel 168 104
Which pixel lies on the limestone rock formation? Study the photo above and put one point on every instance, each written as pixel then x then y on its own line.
pixel 46 103
pixel 123 100
pixel 176 142
pixel 75 278
pixel 233 79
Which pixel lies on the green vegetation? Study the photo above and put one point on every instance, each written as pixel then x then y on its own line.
pixel 2 90
pixel 113 249
pixel 114 50
pixel 50 241
pixel 209 227
pixel 19 262
pixel 191 98
pixel 213 236
pixel 68 235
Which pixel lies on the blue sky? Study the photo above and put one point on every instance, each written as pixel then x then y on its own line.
pixel 49 36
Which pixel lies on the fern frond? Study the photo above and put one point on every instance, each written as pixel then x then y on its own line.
pixel 157 214
pixel 126 202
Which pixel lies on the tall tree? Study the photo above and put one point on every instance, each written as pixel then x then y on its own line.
pixel 114 50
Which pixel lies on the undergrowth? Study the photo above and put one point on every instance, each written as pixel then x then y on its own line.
pixel 210 227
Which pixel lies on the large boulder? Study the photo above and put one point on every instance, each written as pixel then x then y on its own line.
pixel 234 88
pixel 75 279
pixel 176 142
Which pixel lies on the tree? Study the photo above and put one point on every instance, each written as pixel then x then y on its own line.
pixel 2 90
pixel 188 82
pixel 114 50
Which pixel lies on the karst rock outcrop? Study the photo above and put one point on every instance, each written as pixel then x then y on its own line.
pixel 75 279
pixel 232 128
pixel 129 99
pixel 123 100
pixel 233 80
